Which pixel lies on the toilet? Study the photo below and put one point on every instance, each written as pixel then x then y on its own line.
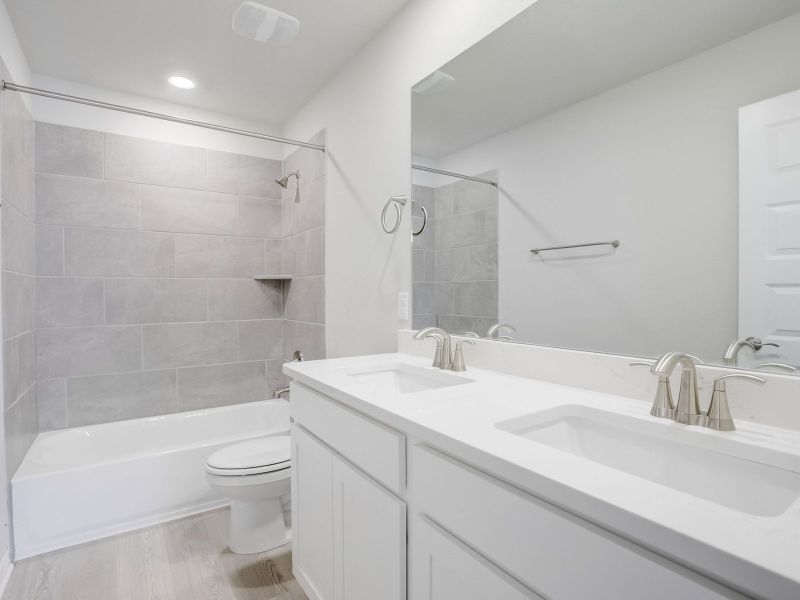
pixel 255 475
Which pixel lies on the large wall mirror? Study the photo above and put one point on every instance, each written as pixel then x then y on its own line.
pixel 627 180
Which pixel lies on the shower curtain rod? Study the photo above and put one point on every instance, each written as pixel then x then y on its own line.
pixel 6 85
pixel 451 174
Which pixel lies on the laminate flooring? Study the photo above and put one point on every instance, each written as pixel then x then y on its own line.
pixel 186 559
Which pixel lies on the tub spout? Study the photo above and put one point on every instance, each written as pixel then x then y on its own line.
pixel 279 392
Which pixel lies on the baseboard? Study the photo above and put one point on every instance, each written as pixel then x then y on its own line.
pixel 6 567
pixel 29 550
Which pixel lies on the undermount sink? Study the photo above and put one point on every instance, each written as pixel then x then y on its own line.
pixel 744 477
pixel 404 379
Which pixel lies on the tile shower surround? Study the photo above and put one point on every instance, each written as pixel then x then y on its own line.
pixel 18 277
pixel 146 302
pixel 455 258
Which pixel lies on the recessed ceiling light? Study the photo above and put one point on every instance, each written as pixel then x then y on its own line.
pixel 179 81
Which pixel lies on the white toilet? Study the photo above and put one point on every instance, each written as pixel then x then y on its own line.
pixel 255 475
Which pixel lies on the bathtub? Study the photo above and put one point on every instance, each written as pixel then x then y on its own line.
pixel 85 483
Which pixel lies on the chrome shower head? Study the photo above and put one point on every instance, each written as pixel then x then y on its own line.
pixel 284 183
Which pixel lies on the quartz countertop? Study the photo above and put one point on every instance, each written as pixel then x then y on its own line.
pixel 758 555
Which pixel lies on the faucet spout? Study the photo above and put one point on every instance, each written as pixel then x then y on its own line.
pixel 495 329
pixel 688 409
pixel 443 358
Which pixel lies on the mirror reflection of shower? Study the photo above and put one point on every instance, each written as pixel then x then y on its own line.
pixel 284 183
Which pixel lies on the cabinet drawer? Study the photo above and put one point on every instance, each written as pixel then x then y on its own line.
pixel 374 448
pixel 553 552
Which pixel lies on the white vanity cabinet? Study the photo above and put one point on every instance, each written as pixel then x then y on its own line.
pixel 470 536
pixel 547 550
pixel 349 529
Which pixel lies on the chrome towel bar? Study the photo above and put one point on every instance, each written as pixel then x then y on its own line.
pixel 614 243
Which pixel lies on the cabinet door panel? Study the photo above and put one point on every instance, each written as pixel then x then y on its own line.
pixel 312 515
pixel 442 568
pixel 551 551
pixel 369 533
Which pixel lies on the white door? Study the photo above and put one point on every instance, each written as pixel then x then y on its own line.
pixel 369 533
pixel 442 568
pixel 769 224
pixel 312 515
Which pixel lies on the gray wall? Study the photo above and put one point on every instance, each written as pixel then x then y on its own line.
pixel 146 298
pixel 18 280
pixel 455 257
pixel 304 253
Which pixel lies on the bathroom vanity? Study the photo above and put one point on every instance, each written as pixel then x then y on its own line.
pixel 414 482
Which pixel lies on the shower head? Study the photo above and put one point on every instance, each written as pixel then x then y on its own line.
pixel 284 183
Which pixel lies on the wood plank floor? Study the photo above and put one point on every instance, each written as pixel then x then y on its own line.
pixel 180 560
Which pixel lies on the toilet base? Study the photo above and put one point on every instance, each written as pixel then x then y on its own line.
pixel 257 526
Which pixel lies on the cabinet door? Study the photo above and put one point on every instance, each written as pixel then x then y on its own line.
pixel 312 515
pixel 369 533
pixel 442 568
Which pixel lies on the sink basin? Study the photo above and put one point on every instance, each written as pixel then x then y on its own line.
pixel 748 478
pixel 404 379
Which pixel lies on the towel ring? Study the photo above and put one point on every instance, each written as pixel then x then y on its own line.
pixel 398 202
pixel 424 220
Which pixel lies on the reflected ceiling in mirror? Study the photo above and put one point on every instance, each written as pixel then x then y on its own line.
pixel 624 128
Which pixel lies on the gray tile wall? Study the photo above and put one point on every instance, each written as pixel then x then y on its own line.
pixel 304 254
pixel 146 255
pixel 19 264
pixel 455 258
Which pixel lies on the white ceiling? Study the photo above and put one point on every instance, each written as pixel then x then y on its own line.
pixel 132 45
pixel 559 52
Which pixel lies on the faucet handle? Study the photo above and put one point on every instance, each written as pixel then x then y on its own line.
pixel 458 357
pixel 719 415
pixel 756 344
pixel 663 405
pixel 774 365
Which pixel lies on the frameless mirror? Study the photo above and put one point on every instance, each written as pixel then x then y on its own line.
pixel 617 176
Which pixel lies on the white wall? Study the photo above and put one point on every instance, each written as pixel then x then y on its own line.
pixel 366 110
pixel 654 164
pixel 14 59
pixel 11 51
pixel 88 117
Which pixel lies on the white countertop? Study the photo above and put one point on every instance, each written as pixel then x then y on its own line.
pixel 753 553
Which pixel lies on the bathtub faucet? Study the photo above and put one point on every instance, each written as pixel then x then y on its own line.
pixel 279 392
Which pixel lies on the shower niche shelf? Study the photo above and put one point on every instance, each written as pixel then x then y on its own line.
pixel 273 278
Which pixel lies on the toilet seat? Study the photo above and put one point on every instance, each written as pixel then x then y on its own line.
pixel 253 457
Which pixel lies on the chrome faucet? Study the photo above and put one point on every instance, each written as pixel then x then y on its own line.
pixel 731 355
pixel 280 392
pixel 442 359
pixel 494 329
pixel 688 409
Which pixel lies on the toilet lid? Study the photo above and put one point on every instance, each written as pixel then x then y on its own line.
pixel 265 454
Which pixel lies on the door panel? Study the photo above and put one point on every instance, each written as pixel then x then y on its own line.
pixel 443 568
pixel 312 514
pixel 369 535
pixel 769 224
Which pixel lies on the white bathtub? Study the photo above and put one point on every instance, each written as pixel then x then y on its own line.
pixel 86 483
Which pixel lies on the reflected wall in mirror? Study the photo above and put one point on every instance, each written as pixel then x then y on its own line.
pixel 670 126
pixel 455 256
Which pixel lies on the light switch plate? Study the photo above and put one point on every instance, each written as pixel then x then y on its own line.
pixel 402 306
